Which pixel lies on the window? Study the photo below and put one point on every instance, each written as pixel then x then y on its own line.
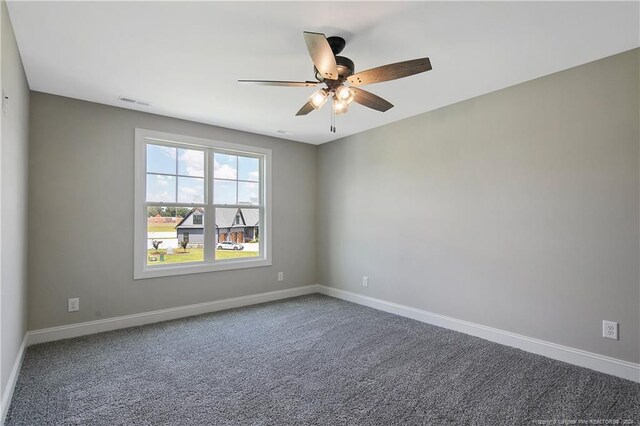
pixel 194 194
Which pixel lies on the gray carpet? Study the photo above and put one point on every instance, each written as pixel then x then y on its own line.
pixel 308 360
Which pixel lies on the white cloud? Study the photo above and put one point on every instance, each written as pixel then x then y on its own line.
pixel 253 195
pixel 248 193
pixel 191 195
pixel 160 188
pixel 160 196
pixel 191 190
pixel 167 151
pixel 191 162
pixel 162 181
pixel 224 171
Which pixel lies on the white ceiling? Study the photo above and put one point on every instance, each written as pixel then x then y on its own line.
pixel 185 58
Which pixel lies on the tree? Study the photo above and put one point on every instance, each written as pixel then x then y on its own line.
pixel 183 211
pixel 156 244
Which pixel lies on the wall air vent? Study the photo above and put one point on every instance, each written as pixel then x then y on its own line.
pixel 134 101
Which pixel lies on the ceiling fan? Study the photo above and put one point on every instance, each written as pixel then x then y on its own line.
pixel 341 83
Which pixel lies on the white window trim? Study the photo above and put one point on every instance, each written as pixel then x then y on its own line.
pixel 141 269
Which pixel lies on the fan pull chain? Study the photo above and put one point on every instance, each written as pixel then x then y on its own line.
pixel 332 128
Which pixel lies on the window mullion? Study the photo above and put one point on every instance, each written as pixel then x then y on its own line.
pixel 261 212
pixel 174 205
pixel 209 211
pixel 177 182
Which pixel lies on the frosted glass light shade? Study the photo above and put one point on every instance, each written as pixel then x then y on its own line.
pixel 318 98
pixel 345 94
pixel 340 107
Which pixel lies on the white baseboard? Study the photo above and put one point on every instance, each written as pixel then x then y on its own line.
pixel 108 324
pixel 7 393
pixel 626 370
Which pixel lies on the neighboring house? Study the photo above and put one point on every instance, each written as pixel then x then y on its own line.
pixel 232 224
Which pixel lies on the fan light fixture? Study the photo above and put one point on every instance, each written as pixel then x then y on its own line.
pixel 340 106
pixel 345 94
pixel 342 99
pixel 318 98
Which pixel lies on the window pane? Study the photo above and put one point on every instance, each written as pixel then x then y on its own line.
pixel 190 162
pixel 190 190
pixel 173 236
pixel 224 192
pixel 225 166
pixel 161 159
pixel 237 233
pixel 161 188
pixel 248 193
pixel 248 169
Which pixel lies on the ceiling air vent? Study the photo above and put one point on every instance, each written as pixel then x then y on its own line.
pixel 134 101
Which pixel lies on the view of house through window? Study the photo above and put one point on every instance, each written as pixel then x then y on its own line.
pixel 169 240
pixel 237 232
pixel 236 183
pixel 177 204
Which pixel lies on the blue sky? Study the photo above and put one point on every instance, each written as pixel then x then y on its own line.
pixel 227 170
pixel 232 168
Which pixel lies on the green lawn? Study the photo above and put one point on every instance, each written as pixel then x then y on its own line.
pixel 194 255
pixel 233 254
pixel 161 227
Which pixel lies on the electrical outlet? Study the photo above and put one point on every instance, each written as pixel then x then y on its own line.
pixel 610 330
pixel 280 276
pixel 365 281
pixel 73 304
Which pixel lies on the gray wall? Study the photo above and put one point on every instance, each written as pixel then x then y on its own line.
pixel 517 210
pixel 13 190
pixel 80 221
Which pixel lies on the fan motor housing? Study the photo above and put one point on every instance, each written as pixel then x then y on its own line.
pixel 345 65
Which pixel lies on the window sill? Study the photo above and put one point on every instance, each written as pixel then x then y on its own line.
pixel 168 271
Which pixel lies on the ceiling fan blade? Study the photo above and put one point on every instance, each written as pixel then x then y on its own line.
pixel 321 55
pixel 370 100
pixel 306 109
pixel 280 83
pixel 390 72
